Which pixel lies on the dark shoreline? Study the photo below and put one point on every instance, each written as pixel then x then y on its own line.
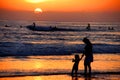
pixel 62 73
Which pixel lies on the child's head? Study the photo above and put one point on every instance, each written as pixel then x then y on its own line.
pixel 76 56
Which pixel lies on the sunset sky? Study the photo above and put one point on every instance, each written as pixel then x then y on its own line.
pixel 52 9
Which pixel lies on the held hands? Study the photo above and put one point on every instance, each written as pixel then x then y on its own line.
pixel 73 60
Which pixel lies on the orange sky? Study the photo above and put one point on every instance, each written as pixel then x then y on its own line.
pixel 61 10
pixel 62 5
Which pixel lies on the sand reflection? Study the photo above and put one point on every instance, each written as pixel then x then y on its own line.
pixel 34 67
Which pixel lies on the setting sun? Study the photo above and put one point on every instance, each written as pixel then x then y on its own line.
pixel 59 9
pixel 38 10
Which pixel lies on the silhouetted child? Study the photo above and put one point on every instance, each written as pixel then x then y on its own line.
pixel 75 66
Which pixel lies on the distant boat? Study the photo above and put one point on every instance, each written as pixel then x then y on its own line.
pixel 46 28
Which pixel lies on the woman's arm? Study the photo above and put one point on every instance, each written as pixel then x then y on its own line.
pixel 82 56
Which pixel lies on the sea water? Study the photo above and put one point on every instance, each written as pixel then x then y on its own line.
pixel 40 53
pixel 17 39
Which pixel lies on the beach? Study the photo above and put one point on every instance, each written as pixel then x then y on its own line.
pixel 105 66
pixel 47 55
pixel 64 77
pixel 59 39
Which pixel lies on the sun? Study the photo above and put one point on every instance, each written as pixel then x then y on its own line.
pixel 38 10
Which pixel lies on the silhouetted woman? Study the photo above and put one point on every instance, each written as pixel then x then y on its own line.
pixel 88 56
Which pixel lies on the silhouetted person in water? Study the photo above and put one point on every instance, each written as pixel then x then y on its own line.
pixel 88 56
pixel 88 27
pixel 34 25
pixel 75 66
pixel 7 25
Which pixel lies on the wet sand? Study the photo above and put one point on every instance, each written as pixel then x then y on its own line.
pixel 65 77
pixel 104 67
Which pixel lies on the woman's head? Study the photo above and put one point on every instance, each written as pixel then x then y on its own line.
pixel 86 41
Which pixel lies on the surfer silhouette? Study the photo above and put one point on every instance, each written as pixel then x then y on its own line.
pixel 34 25
pixel 88 27
pixel 88 56
pixel 75 66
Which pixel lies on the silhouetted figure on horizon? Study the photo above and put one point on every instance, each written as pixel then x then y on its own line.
pixel 21 26
pixel 88 56
pixel 88 27
pixel 7 25
pixel 75 66
pixel 34 25
pixel 110 28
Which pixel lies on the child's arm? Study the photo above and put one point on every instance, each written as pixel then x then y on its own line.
pixel 73 60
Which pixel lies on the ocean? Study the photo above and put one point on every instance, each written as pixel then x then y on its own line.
pixel 47 55
pixel 19 40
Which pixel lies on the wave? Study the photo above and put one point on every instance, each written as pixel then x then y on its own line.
pixel 44 28
pixel 26 49
pixel 51 28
